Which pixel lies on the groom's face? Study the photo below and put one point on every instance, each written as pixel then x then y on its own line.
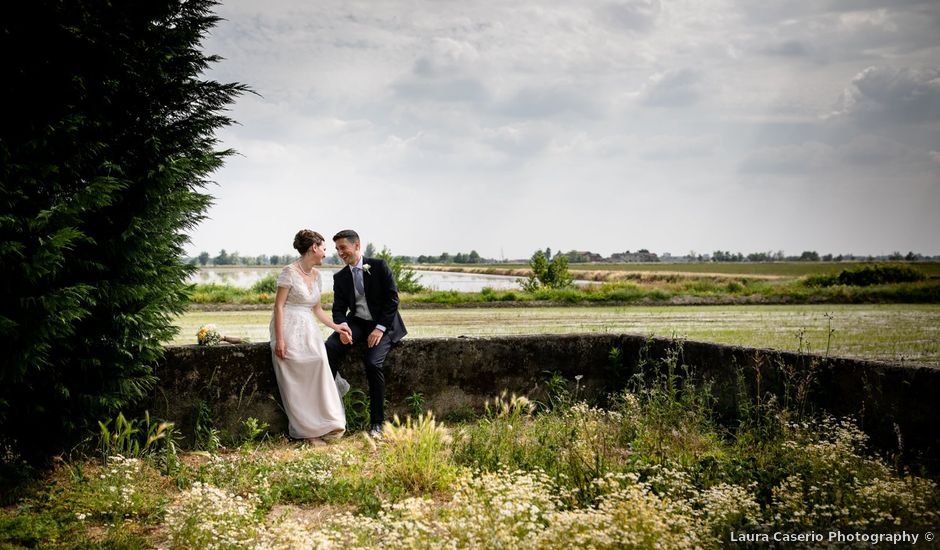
pixel 348 251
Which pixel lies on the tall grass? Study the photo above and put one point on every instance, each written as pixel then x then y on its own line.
pixel 417 454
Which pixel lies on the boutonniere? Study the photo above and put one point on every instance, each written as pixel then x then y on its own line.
pixel 366 267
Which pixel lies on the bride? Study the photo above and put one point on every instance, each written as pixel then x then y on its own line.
pixel 311 399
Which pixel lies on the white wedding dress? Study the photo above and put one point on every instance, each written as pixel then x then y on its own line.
pixel 311 400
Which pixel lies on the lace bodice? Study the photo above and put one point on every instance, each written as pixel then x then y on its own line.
pixel 301 294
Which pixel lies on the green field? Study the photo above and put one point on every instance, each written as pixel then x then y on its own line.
pixel 891 332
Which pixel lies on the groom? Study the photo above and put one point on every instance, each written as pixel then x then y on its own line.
pixel 365 299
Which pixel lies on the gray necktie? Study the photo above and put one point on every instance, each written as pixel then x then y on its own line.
pixel 357 281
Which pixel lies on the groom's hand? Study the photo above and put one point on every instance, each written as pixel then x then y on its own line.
pixel 374 338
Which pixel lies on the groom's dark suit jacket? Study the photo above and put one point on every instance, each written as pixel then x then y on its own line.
pixel 381 297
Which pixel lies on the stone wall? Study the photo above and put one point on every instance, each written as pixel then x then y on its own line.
pixel 235 382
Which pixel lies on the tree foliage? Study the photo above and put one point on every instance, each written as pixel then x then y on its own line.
pixel 405 278
pixel 105 149
pixel 549 274
pixel 867 275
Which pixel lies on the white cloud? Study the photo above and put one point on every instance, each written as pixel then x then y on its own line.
pixel 475 120
pixel 630 15
pixel 447 56
pixel 805 157
pixel 674 88
pixel 672 147
pixel 868 149
pixel 892 95
pixel 864 152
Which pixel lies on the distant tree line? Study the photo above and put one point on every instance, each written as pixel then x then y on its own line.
pixel 572 256
pixel 234 258
pixel 806 256
pixel 472 257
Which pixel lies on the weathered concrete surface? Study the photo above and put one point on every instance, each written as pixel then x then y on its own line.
pixel 237 381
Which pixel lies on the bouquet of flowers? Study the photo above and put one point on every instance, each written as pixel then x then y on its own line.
pixel 208 335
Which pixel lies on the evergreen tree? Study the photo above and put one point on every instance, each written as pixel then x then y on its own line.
pixel 105 150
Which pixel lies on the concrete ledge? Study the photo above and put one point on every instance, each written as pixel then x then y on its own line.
pixel 889 400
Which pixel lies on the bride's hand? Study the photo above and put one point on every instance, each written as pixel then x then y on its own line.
pixel 280 349
pixel 345 334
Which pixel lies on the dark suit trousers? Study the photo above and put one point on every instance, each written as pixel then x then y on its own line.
pixel 372 359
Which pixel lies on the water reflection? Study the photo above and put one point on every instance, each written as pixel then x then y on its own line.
pixel 435 280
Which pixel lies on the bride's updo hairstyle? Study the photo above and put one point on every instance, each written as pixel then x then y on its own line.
pixel 306 238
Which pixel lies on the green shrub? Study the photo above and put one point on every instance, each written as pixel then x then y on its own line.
pixel 821 280
pixel 267 284
pixel 702 286
pixel 547 274
pixel 569 295
pixel 880 274
pixel 659 295
pixel 734 287
pixel 628 292
pixel 868 275
pixel 444 297
pixel 406 279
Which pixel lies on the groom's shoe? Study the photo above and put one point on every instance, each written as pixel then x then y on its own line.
pixel 375 432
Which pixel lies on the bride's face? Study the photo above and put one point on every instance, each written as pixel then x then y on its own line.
pixel 318 252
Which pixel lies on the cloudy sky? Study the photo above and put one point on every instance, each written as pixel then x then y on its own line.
pixel 506 127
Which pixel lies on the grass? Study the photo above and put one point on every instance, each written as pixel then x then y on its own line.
pixel 674 288
pixel 652 468
pixel 893 332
